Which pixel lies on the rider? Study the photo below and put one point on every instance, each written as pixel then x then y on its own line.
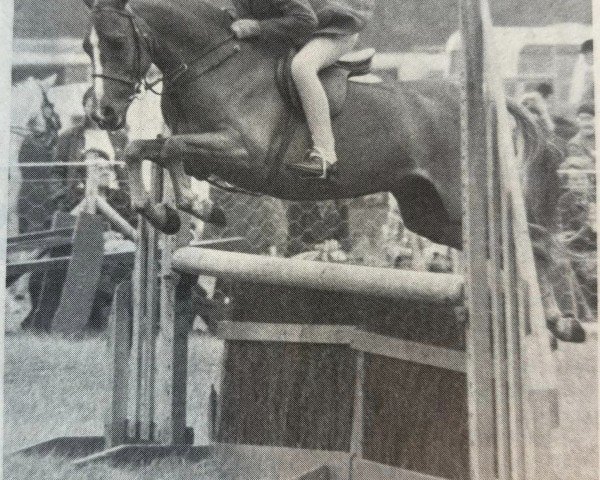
pixel 324 30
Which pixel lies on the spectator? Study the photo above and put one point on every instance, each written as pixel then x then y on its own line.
pixel 582 80
pixel 582 147
pixel 578 197
pixel 36 203
pixel 108 188
pixel 537 103
pixel 71 147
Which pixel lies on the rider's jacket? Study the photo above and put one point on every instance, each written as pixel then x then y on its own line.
pixel 299 20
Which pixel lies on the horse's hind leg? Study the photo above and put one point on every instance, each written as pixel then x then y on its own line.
pixel 160 216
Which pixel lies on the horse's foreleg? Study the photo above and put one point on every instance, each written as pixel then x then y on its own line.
pixel 188 201
pixel 160 216
pixel 202 146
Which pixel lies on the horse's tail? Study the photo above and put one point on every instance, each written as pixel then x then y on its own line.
pixel 543 153
pixel 530 129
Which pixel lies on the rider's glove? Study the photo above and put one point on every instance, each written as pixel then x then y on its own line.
pixel 245 28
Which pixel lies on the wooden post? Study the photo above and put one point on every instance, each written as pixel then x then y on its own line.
pixel 171 383
pixel 139 310
pixel 497 301
pixel 150 321
pixel 91 189
pixel 356 439
pixel 473 147
pixel 119 342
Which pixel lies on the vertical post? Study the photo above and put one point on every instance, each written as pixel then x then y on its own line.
pixel 356 439
pixel 139 311
pixel 473 147
pixel 513 339
pixel 149 326
pixel 498 313
pixel 91 188
pixel 118 362
pixel 171 369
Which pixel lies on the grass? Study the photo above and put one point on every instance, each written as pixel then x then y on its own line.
pixel 55 387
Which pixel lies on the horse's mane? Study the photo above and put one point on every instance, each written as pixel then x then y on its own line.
pixel 194 20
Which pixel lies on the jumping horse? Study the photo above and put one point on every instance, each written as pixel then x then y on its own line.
pixel 222 100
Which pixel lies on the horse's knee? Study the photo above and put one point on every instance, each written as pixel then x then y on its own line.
pixel 171 147
pixel 132 152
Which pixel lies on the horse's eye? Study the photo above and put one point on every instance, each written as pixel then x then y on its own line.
pixel 116 42
pixel 87 48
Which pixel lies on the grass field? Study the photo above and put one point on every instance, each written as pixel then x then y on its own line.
pixel 54 387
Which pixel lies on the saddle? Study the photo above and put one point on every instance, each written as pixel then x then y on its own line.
pixel 354 66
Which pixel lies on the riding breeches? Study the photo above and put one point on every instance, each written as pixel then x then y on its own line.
pixel 318 53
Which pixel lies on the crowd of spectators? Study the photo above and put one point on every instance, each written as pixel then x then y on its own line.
pixel 49 189
pixel 576 283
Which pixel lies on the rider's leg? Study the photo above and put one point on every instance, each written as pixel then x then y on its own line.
pixel 317 54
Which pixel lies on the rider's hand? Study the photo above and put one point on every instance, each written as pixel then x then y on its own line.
pixel 245 28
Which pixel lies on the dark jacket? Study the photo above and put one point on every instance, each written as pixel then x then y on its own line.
pixel 298 20
pixel 69 148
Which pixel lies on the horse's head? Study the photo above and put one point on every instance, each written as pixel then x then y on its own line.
pixel 120 59
pixel 32 112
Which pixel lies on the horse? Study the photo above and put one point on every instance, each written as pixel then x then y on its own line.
pixel 30 110
pixel 29 99
pixel 228 119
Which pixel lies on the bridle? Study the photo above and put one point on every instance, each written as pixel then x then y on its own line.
pixel 169 79
pixel 133 81
pixel 46 137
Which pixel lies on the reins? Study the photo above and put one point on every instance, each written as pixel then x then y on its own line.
pixel 173 79
pixel 169 79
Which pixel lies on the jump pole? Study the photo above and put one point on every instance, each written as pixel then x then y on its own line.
pixel 495 437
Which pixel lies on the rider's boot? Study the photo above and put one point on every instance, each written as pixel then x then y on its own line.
pixel 316 164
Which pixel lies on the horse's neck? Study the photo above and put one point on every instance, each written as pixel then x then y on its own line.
pixel 182 28
pixel 241 77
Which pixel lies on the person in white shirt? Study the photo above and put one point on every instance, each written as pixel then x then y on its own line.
pixel 582 80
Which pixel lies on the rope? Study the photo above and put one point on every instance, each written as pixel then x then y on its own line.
pixel 69 164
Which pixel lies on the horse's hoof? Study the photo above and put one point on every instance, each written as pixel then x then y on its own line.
pixel 217 217
pixel 164 218
pixel 173 221
pixel 567 329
